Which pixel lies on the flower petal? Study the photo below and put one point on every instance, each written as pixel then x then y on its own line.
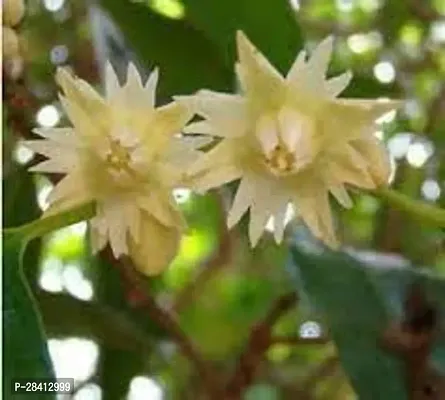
pixel 336 85
pixel 375 154
pixel 261 81
pixel 347 165
pixel 226 114
pixel 241 203
pixel 150 87
pixel 112 86
pixel 314 209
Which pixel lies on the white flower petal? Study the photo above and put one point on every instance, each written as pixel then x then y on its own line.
pixel 241 203
pixel 150 87
pixel 65 136
pixel 315 211
pixel 267 200
pixel 267 134
pixel 112 86
pixel 297 71
pixel 217 176
pixel 341 195
pixel 336 85
pixel 58 164
pixel 349 166
pixel 227 114
pixel 260 80
pixel 318 63
pixel 280 223
pixel 200 127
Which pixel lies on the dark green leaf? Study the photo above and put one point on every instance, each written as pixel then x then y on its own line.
pixel 357 303
pixel 187 60
pixel 271 25
pixel 25 348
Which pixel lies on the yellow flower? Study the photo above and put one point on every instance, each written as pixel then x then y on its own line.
pixel 290 140
pixel 126 155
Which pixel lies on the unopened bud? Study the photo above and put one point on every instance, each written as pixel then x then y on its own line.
pixel 10 43
pixel 156 248
pixel 377 158
pixel 13 11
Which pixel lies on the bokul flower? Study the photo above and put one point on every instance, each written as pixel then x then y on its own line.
pixel 290 141
pixel 124 154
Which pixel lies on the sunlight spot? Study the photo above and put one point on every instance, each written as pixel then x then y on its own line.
pixel 431 190
pixel 399 144
pixel 418 153
pixel 379 135
pixel 75 283
pixel 50 278
pixel 437 32
pixel 362 42
pixel 74 357
pixel 43 193
pixel 290 214
pixel 142 388
pixel 393 165
pixel 169 8
pixel 59 54
pixel 90 391
pixel 295 4
pixel 344 5
pixel 182 195
pixel 22 154
pixel 369 5
pixel 387 118
pixel 385 72
pixel 48 116
pixel 310 330
pixel 53 5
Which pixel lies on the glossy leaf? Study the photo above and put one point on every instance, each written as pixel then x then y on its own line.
pixel 357 303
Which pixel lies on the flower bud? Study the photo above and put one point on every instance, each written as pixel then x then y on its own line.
pixel 377 158
pixel 14 67
pixel 13 11
pixel 10 43
pixel 157 246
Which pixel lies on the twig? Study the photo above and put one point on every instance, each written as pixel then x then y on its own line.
pixel 217 260
pixel 321 370
pixel 166 321
pixel 258 342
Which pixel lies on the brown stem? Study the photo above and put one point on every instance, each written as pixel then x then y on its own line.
pixel 168 322
pixel 257 344
pixel 217 260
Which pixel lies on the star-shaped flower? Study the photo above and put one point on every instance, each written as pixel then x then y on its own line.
pixel 289 140
pixel 124 154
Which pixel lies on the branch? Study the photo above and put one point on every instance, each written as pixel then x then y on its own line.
pixel 217 260
pixel 259 341
pixel 167 322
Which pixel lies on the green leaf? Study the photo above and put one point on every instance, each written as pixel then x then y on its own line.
pixel 270 25
pixel 357 303
pixel 187 60
pixel 25 348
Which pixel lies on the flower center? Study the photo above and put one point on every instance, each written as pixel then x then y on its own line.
pixel 280 159
pixel 118 157
pixel 286 141
pixel 121 155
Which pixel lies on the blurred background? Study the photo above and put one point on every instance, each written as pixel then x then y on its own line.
pixel 98 331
